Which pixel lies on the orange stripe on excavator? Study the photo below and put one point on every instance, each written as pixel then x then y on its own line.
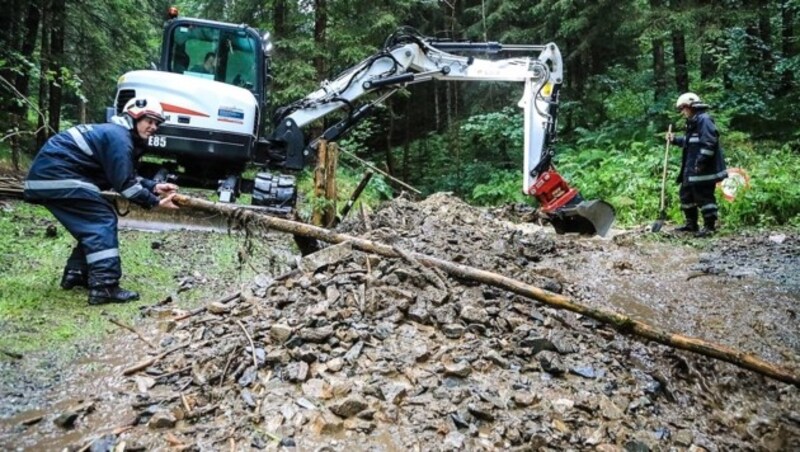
pixel 180 110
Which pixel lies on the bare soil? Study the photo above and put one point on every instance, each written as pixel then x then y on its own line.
pixel 356 351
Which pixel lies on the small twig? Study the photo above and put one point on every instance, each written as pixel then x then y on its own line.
pixel 432 277
pixel 149 362
pixel 174 372
pixel 132 330
pixel 203 309
pixel 250 339
pixel 227 363
pixel 186 405
pixel 11 354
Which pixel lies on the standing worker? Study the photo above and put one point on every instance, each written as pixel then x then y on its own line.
pixel 69 172
pixel 702 165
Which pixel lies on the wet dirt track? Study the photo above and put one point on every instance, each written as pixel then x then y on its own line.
pixel 363 352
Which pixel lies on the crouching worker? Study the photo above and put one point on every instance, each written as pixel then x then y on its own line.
pixel 67 176
pixel 702 165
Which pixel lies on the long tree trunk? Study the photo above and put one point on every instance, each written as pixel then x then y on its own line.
pixel 679 61
pixel 57 59
pixel 42 132
pixel 621 323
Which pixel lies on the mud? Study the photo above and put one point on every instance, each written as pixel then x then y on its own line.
pixel 363 352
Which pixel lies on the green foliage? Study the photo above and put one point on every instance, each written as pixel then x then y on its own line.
pixel 503 187
pixel 347 180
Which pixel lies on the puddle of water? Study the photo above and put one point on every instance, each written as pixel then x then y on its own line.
pixel 95 377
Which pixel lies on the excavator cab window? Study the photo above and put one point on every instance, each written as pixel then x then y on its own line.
pixel 214 53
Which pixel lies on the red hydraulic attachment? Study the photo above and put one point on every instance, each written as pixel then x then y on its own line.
pixel 552 191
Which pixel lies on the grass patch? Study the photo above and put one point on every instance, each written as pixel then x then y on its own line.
pixel 35 313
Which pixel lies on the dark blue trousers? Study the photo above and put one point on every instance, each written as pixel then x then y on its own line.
pixel 93 223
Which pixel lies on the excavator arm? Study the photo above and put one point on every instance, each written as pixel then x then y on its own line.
pixel 410 58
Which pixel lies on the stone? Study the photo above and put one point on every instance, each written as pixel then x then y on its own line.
pixel 349 407
pixel 279 332
pixel 326 423
pixel 393 392
pixel 316 335
pixel 218 308
pixel 66 420
pixel 453 330
pixel 551 363
pixel 162 419
pixel 335 365
pixel 474 314
pixel 610 410
pixel 318 389
pixel 296 372
pixel 454 440
pixel 457 369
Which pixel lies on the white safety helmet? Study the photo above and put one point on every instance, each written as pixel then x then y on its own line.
pixel 140 107
pixel 687 100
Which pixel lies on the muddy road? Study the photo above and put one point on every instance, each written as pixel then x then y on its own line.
pixel 356 351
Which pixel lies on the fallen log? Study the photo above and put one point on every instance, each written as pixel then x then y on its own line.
pixel 622 323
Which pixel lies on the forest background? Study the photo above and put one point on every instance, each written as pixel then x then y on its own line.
pixel 626 61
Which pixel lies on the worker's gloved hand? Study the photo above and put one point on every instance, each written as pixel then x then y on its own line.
pixel 670 137
pixel 165 188
pixel 166 202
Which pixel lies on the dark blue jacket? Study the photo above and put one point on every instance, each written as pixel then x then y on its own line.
pixel 702 160
pixel 84 160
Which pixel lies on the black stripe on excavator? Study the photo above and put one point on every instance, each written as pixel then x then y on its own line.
pixel 204 144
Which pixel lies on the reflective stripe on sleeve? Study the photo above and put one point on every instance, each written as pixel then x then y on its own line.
pixel 706 177
pixel 132 190
pixel 59 184
pixel 80 140
pixel 694 139
pixel 101 255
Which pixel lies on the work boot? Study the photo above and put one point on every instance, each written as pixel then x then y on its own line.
pixel 111 294
pixel 691 220
pixel 73 277
pixel 709 228
pixel 688 227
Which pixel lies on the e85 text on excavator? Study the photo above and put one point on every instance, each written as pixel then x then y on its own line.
pixel 212 81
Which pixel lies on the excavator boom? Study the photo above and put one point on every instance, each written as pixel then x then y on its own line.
pixel 410 58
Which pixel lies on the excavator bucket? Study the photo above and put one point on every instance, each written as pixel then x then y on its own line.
pixel 566 210
pixel 587 217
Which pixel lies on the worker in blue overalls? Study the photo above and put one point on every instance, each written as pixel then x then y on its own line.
pixel 67 176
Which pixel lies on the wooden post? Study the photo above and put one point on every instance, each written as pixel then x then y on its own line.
pixel 331 159
pixel 319 183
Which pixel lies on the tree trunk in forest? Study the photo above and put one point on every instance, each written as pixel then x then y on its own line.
pixel 320 31
pixel 659 66
pixel 42 133
pixel 10 41
pixel 22 82
pixel 788 48
pixel 390 165
pixel 57 59
pixel 659 69
pixel 679 61
pixel 279 20
pixel 620 322
pixel 708 67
